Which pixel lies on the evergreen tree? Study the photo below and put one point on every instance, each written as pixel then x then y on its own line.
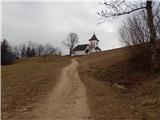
pixel 7 56
pixel 33 53
pixel 28 52
pixel 23 51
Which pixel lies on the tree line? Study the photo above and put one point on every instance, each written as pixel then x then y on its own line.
pixel 10 53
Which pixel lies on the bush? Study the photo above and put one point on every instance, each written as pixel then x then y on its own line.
pixel 139 56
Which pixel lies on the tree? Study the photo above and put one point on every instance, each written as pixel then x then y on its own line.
pixel 116 8
pixel 40 50
pixel 71 41
pixel 7 56
pixel 48 49
pixel 134 35
pixel 22 48
pixel 32 44
pixel 33 53
pixel 30 52
pixel 58 51
pixel 16 51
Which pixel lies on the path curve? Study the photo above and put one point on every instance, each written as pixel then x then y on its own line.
pixel 68 101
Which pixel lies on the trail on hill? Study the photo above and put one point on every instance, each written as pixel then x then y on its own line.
pixel 68 101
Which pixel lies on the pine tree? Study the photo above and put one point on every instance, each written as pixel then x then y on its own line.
pixel 7 56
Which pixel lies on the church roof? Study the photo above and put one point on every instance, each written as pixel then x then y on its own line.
pixel 93 38
pixel 80 47
pixel 97 48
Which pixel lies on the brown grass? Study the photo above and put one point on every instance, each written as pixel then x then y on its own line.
pixel 28 80
pixel 99 71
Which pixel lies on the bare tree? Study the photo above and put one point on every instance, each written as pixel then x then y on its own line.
pixel 71 41
pixel 40 49
pixel 58 51
pixel 116 8
pixel 135 37
pixel 16 51
pixel 135 30
pixel 32 44
pixel 48 49
pixel 22 48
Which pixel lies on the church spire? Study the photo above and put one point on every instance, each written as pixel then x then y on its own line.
pixel 93 37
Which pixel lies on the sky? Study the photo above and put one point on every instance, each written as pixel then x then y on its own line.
pixel 51 22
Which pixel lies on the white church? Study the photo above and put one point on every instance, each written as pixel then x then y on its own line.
pixel 84 49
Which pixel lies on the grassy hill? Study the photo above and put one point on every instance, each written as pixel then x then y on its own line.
pixel 117 90
pixel 27 81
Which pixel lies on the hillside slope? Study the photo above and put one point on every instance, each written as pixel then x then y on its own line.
pixel 115 92
pixel 28 81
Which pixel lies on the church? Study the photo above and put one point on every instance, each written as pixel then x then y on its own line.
pixel 84 49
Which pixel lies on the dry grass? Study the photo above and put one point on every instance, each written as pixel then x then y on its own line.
pixel 100 71
pixel 28 80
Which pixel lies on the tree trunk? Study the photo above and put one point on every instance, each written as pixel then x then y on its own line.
pixel 153 37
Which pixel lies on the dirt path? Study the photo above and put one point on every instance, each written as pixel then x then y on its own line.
pixel 68 101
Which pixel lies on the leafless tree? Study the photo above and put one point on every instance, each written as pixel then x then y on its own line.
pixel 40 50
pixel 70 42
pixel 48 49
pixel 116 8
pixel 32 44
pixel 16 51
pixel 135 37
pixel 22 49
pixel 135 30
pixel 58 51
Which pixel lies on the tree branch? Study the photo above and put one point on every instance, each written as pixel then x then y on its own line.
pixel 104 14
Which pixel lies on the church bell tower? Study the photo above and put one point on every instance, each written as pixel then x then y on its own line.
pixel 93 42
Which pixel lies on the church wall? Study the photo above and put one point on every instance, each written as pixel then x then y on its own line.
pixel 79 53
pixel 93 43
